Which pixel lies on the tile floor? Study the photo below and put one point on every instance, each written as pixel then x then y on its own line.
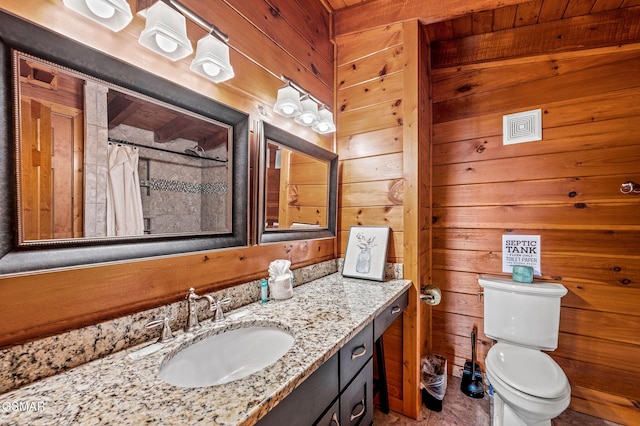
pixel 460 410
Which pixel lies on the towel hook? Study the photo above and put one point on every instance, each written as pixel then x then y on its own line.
pixel 630 188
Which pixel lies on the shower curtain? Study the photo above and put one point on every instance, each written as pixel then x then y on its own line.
pixel 124 203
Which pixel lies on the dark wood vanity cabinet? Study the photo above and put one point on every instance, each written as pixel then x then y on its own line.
pixel 340 392
pixel 389 315
pixel 308 401
pixel 356 381
pixel 356 400
pixel 344 384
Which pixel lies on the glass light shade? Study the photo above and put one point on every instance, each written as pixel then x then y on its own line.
pixel 325 124
pixel 166 32
pixel 113 14
pixel 309 115
pixel 288 102
pixel 212 59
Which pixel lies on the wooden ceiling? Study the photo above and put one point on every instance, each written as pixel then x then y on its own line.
pixel 503 18
pixel 332 5
pixel 530 13
pixel 166 124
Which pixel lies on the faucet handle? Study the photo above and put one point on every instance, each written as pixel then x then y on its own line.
pixel 192 294
pixel 166 335
pixel 217 306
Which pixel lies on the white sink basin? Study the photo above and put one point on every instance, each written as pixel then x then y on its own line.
pixel 225 357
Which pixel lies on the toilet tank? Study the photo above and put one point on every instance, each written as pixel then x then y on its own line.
pixel 522 314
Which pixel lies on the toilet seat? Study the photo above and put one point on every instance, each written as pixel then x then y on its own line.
pixel 529 371
pixel 530 409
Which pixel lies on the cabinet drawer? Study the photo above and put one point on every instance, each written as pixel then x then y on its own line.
pixel 332 416
pixel 355 354
pixel 356 402
pixel 389 315
pixel 309 400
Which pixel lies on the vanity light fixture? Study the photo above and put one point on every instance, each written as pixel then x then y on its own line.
pixel 166 32
pixel 325 123
pixel 212 59
pixel 113 14
pixel 212 51
pixel 295 102
pixel 288 102
pixel 309 115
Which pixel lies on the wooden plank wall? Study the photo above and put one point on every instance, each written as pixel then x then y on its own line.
pixel 379 109
pixel 64 101
pixel 564 188
pixel 268 38
pixel 424 226
pixel 370 81
pixel 272 190
pixel 417 208
pixel 305 192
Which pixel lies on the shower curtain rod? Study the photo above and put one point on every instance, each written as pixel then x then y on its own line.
pixel 123 142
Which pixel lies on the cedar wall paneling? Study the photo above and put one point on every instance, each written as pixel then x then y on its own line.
pixel 370 153
pixel 564 188
pixel 267 38
pixel 380 121
pixel 303 185
pixel 376 13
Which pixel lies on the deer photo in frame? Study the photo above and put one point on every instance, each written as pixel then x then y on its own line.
pixel 366 252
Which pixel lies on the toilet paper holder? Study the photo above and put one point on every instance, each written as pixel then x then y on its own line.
pixel 430 294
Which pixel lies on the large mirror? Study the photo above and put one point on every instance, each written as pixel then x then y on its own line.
pixel 103 161
pixel 298 187
pixel 100 161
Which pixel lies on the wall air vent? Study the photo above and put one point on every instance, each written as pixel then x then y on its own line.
pixel 522 127
pixel 38 74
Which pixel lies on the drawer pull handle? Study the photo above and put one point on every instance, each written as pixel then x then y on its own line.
pixel 334 419
pixel 355 416
pixel 355 354
pixel 395 310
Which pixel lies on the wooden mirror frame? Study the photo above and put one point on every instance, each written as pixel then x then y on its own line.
pixel 18 34
pixel 269 132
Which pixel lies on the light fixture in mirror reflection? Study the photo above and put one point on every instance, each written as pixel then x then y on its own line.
pixel 99 161
pixel 296 189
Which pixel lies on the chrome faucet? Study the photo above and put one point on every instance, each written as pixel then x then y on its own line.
pixel 192 306
pixel 219 316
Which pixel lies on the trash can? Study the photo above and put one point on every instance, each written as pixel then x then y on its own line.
pixel 433 381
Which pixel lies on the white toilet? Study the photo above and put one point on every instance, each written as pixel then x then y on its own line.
pixel 529 387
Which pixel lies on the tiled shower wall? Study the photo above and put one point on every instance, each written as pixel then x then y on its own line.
pixel 180 194
pixel 95 160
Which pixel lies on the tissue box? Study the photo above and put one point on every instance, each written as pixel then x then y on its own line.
pixel 522 274
pixel 280 288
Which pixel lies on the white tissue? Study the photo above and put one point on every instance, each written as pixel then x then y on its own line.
pixel 280 277
pixel 279 268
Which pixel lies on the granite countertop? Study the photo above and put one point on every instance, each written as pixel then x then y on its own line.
pixel 322 316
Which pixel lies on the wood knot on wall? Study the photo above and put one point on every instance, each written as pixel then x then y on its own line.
pixel 396 192
pixel 275 12
pixel 292 195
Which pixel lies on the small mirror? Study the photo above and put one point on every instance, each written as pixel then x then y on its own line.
pixel 298 187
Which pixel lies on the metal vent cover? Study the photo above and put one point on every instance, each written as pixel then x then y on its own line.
pixel 522 127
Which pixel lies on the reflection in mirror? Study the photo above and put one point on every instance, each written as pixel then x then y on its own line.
pixel 298 187
pixel 101 161
pixel 192 173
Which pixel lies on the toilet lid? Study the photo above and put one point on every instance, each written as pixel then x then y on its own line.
pixel 528 370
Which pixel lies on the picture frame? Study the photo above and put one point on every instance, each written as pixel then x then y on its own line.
pixel 366 253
